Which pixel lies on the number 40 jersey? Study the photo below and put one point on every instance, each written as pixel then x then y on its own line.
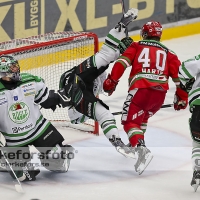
pixel 152 64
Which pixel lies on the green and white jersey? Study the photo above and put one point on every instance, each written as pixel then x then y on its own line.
pixel 191 69
pixel 21 121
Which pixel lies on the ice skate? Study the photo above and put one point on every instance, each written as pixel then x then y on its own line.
pixel 122 148
pixel 195 183
pixel 144 157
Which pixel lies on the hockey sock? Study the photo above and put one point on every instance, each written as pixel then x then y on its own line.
pixel 134 139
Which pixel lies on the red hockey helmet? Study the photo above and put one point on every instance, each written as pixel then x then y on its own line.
pixel 151 29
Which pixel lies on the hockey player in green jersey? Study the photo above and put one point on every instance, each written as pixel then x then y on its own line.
pixel 92 73
pixel 22 124
pixel 189 75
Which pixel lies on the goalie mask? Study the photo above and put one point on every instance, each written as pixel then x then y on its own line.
pixel 151 29
pixel 9 67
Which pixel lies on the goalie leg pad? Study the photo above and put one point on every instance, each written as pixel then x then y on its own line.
pixel 194 124
pixel 58 159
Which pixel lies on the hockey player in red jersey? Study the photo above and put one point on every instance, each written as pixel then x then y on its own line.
pixel 152 64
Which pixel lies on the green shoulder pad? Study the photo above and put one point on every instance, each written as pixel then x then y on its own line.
pixel 29 77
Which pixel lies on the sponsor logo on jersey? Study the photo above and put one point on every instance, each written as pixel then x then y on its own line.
pixel 27 85
pixel 29 94
pixel 20 129
pixel 1 103
pixel 28 89
pixel 150 76
pixel 155 44
pixel 19 112
pixel 15 98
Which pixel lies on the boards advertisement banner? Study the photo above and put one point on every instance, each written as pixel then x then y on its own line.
pixel 23 18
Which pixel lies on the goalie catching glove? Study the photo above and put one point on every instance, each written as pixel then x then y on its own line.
pixel 180 99
pixel 109 85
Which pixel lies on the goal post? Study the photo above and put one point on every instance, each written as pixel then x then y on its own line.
pixel 49 56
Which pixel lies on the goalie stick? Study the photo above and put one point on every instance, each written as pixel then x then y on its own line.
pixel 163 106
pixel 18 186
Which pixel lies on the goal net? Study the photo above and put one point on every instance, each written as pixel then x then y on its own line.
pixel 50 55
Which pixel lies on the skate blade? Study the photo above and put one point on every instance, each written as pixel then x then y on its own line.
pixel 143 166
pixel 195 186
pixel 124 153
pixel 19 188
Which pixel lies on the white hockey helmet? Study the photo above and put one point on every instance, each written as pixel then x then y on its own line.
pixel 9 67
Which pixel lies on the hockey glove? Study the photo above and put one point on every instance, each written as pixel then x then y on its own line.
pixel 124 44
pixel 188 86
pixel 109 85
pixel 128 17
pixel 180 99
pixel 64 99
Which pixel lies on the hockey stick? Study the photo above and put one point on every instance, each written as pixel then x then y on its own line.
pixel 18 186
pixel 123 6
pixel 163 106
pixel 123 12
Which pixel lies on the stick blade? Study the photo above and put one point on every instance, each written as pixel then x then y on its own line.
pixel 19 188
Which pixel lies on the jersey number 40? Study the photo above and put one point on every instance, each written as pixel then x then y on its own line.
pixel 157 57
